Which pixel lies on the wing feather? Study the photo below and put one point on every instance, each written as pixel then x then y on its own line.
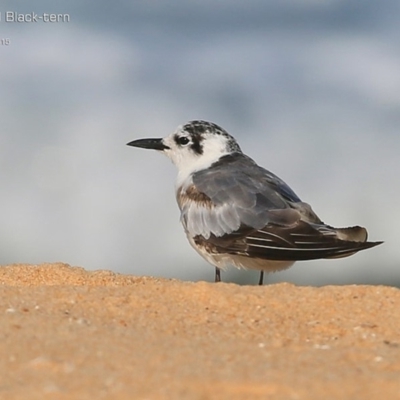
pixel 300 242
pixel 235 191
pixel 236 207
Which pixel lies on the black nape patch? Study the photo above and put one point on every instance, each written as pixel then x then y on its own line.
pixel 196 146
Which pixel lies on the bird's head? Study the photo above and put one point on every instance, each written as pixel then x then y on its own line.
pixel 193 146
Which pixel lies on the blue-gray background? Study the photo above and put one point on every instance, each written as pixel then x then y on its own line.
pixel 310 89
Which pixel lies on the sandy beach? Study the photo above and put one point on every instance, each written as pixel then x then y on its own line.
pixel 68 333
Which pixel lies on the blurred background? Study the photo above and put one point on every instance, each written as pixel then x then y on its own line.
pixel 311 91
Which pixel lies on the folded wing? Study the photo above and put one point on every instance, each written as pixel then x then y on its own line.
pixel 234 192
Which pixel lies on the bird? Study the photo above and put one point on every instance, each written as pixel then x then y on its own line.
pixel 236 213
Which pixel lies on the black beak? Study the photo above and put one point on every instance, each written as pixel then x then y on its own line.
pixel 155 144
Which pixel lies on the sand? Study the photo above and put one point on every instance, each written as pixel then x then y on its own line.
pixel 67 333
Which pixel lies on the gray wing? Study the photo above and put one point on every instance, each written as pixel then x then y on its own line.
pixel 243 209
pixel 237 178
pixel 237 192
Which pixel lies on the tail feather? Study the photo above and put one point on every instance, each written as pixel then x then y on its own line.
pixel 352 234
pixel 355 234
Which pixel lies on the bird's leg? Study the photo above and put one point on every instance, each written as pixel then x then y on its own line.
pixel 217 274
pixel 260 282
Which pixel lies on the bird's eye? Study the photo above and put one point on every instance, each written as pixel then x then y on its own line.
pixel 183 140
